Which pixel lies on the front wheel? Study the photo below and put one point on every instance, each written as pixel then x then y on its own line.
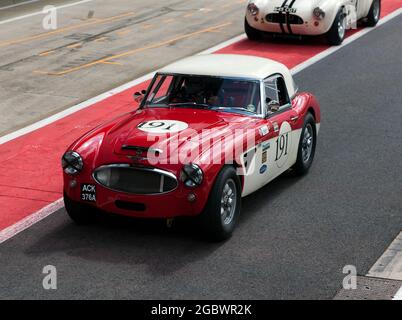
pixel 336 34
pixel 374 14
pixel 223 207
pixel 81 214
pixel 307 144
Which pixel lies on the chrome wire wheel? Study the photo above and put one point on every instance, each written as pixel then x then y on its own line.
pixel 342 26
pixel 307 143
pixel 228 202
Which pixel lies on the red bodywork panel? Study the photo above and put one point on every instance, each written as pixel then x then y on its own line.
pixel 102 146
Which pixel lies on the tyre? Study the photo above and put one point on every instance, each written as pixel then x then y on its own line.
pixel 252 34
pixel 307 144
pixel 374 14
pixel 336 34
pixel 222 210
pixel 80 213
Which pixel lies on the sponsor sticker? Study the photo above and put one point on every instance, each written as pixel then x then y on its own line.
pixel 285 9
pixel 265 146
pixel 263 169
pixel 251 108
pixel 264 157
pixel 264 130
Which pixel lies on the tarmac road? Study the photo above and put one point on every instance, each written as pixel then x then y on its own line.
pixel 98 45
pixel 295 235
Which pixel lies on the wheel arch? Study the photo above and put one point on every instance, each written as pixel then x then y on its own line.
pixel 312 111
pixel 332 10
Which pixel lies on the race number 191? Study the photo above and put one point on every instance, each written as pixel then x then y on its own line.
pixel 282 146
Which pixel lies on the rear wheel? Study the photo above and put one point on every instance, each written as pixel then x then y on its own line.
pixel 374 14
pixel 80 213
pixel 307 144
pixel 223 207
pixel 252 34
pixel 336 34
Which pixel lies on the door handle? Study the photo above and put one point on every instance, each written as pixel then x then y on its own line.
pixel 294 118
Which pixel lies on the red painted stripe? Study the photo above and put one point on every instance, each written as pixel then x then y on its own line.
pixel 30 174
pixel 292 53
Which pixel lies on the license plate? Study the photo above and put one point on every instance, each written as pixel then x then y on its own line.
pixel 88 192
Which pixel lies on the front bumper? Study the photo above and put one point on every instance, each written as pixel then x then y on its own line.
pixel 308 27
pixel 167 205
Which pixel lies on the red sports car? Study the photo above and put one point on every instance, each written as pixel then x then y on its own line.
pixel 209 130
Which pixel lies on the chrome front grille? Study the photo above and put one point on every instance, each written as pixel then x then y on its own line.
pixel 135 180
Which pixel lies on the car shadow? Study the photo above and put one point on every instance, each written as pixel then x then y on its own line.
pixel 292 44
pixel 120 240
pixel 264 196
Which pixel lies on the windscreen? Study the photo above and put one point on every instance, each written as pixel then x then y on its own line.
pixel 228 94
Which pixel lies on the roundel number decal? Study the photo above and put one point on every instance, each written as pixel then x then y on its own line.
pixel 162 126
pixel 283 145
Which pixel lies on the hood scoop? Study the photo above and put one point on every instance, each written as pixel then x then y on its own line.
pixel 140 153
pixel 138 149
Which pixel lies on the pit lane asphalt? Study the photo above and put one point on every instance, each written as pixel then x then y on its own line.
pixel 98 45
pixel 295 235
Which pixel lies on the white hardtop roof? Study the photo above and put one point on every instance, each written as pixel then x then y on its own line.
pixel 231 66
pixel 225 65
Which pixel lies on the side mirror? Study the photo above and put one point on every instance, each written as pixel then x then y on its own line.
pixel 273 106
pixel 139 96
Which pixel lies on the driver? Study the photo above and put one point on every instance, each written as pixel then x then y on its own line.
pixel 197 90
pixel 191 91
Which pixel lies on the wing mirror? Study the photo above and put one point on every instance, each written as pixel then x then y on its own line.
pixel 139 95
pixel 273 105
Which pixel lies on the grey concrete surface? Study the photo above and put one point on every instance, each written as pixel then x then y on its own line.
pixel 370 289
pixel 389 265
pixel 46 71
pixel 295 235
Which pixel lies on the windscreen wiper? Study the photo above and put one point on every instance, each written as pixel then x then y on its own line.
pixel 186 104
pixel 231 109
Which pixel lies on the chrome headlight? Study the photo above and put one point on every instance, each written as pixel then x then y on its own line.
pixel 253 9
pixel 191 175
pixel 319 13
pixel 72 162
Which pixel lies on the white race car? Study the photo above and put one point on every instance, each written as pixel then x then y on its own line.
pixel 309 17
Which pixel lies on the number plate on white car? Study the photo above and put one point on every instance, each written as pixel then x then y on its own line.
pixel 88 192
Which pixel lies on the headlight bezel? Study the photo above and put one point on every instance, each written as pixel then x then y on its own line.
pixel 192 175
pixel 72 162
pixel 253 9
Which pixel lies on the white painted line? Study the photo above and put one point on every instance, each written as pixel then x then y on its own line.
pixel 78 107
pixel 398 295
pixel 37 216
pixel 40 12
pixel 18 4
pixel 389 265
pixel 346 42
pixel 87 103
pixel 224 44
pixel 30 220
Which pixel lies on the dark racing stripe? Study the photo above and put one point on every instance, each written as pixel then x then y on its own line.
pixel 287 17
pixel 281 24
